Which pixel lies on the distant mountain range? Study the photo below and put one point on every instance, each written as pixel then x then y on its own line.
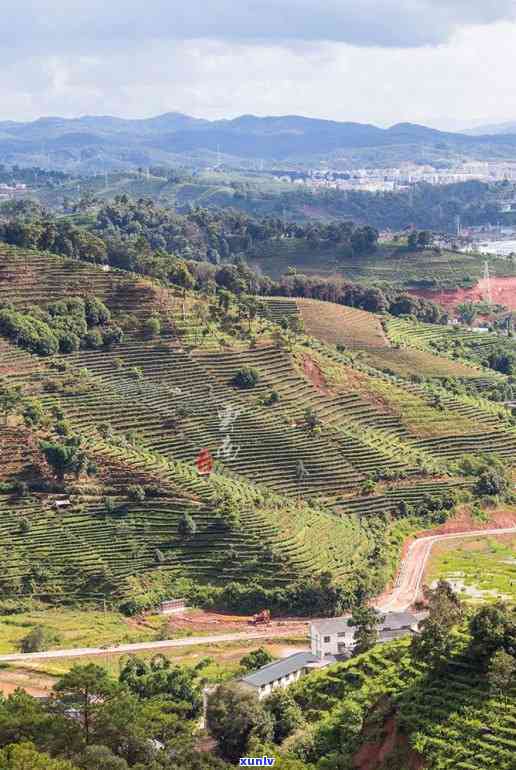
pixel 95 143
pixel 495 128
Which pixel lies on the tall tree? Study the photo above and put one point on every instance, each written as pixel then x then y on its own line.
pixel 86 688
pixel 235 717
pixel 10 399
pixel 366 621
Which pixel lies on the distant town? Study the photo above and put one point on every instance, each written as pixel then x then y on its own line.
pixel 400 177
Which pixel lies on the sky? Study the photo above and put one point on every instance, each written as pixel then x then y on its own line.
pixel 444 63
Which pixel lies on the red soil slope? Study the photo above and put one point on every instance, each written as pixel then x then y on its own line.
pixel 503 291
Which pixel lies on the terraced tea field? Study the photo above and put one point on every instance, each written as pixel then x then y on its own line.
pixel 407 362
pixel 413 717
pixel 390 265
pixel 294 465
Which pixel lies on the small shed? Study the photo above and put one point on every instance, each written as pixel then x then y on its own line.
pixel 172 605
pixel 59 504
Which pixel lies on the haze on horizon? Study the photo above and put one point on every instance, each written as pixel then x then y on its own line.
pixel 444 63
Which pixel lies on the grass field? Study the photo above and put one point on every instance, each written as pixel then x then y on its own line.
pixel 75 628
pixel 482 569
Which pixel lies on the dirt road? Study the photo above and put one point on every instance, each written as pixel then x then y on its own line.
pixel 410 575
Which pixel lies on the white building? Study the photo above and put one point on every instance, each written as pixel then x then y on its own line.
pixel 332 637
pixel 329 640
pixel 281 673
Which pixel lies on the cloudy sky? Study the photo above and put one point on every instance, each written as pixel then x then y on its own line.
pixel 447 63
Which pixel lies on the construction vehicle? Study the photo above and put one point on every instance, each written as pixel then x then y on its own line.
pixel 262 617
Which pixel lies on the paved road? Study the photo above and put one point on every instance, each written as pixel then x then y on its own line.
pixel 402 596
pixel 188 641
pixel 412 568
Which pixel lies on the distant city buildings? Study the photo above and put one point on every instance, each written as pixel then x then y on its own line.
pixel 7 192
pixel 400 177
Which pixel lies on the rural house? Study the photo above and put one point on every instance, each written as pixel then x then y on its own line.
pixel 334 636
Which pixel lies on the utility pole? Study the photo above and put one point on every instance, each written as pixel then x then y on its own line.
pixel 487 281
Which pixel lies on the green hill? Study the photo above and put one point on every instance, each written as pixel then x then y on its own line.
pixel 311 464
pixel 390 265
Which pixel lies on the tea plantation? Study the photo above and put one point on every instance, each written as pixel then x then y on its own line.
pixel 319 447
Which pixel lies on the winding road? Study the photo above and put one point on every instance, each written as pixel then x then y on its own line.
pixel 412 569
pixel 402 596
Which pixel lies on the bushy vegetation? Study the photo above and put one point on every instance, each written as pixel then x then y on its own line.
pixel 207 249
pixel 145 720
pixel 63 326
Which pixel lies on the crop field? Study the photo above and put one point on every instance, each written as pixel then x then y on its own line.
pixel 482 569
pixel 423 336
pixel 421 269
pixel 29 277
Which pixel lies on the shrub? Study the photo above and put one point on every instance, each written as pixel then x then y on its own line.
pixel 112 335
pixel 490 482
pixel 272 398
pixel 256 659
pixel 136 372
pixel 21 488
pixel 69 342
pixel 93 339
pixel 96 312
pixel 136 492
pixel 152 327
pixel 187 526
pixel 33 413
pixel 39 639
pixel 246 378
pixel 24 525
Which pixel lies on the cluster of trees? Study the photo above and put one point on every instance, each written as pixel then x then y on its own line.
pixel 492 475
pixel 319 595
pixel 215 235
pixel 205 249
pixel 502 359
pixel 67 456
pixel 425 206
pixel 491 636
pixel 143 720
pixel 57 236
pixel 64 326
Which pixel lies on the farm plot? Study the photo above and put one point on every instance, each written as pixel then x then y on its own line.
pixel 407 362
pixel 29 277
pixel 264 446
pixel 425 268
pixel 358 430
pixel 425 336
pixel 339 324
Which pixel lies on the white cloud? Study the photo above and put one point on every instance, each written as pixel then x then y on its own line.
pixel 136 70
pixel 96 24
